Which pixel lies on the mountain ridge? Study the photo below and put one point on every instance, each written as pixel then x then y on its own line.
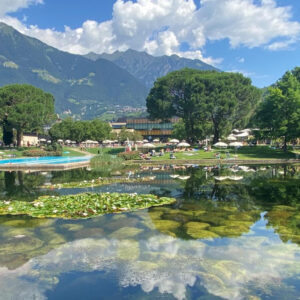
pixel 148 68
pixel 78 84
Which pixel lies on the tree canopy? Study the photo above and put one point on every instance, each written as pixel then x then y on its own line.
pixel 80 131
pixel 207 101
pixel 24 108
pixel 279 114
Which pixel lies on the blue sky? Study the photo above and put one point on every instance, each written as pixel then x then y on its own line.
pixel 259 38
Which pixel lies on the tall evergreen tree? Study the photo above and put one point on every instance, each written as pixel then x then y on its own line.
pixel 24 108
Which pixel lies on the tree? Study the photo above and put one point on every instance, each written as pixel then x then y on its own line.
pixel 207 101
pixel 279 115
pixel 24 108
pixel 80 131
pixel 125 134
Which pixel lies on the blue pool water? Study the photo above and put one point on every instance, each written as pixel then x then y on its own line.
pixel 50 160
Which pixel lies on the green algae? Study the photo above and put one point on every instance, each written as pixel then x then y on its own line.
pixel 230 231
pixel 201 234
pixel 126 232
pixel 165 225
pixel 81 206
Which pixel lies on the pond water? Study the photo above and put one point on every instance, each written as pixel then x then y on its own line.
pixel 234 238
pixel 48 160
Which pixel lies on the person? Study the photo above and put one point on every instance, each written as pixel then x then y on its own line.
pixel 172 156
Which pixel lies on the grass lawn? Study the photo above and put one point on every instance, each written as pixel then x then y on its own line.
pixel 247 153
pixel 70 151
pixel 11 153
pixel 112 151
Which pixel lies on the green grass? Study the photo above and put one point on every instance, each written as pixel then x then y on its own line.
pixel 111 151
pixel 72 152
pixel 244 153
pixel 13 151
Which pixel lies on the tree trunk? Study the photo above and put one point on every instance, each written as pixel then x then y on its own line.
pixel 216 134
pixel 284 144
pixel 19 137
pixel 7 133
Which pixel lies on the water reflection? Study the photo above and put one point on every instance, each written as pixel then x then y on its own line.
pixel 221 240
pixel 234 269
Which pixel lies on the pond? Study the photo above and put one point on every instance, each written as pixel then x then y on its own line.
pixel 233 233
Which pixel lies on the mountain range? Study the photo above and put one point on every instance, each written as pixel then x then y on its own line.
pixel 148 68
pixel 84 86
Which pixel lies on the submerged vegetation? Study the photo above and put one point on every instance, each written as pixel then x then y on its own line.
pixel 84 205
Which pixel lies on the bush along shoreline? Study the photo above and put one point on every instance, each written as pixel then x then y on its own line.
pixel 82 206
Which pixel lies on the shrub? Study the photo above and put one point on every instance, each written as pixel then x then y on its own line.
pixel 53 147
pixel 129 155
pixel 40 152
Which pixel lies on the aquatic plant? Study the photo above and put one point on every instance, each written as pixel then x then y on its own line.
pixel 84 205
pixel 97 182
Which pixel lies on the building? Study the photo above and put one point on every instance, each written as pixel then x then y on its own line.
pixel 152 129
pixel 29 140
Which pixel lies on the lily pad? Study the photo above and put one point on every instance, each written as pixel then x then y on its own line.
pixel 84 205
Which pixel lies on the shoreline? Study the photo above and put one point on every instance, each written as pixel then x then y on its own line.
pixel 45 167
pixel 206 162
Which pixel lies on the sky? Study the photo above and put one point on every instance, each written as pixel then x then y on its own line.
pixel 259 38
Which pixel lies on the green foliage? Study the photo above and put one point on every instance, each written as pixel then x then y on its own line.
pixel 41 152
pixel 279 115
pixel 100 181
pixel 106 160
pixel 54 147
pixel 24 108
pixel 80 131
pixel 129 155
pixel 207 101
pixel 81 205
pixel 125 135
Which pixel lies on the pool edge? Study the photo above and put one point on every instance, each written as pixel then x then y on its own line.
pixel 43 167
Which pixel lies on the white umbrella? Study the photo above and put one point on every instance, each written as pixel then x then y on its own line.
pixel 42 140
pixel 67 141
pixel 174 141
pixel 145 141
pixel 107 142
pixel 220 145
pixel 156 140
pixel 236 144
pixel 148 145
pixel 183 144
pixel 60 141
pixel 49 142
pixel 231 138
pixel 243 134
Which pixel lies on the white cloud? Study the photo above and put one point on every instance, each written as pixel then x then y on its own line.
pixel 162 26
pixel 9 6
pixel 168 264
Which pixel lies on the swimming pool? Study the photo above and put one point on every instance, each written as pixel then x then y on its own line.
pixel 49 160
